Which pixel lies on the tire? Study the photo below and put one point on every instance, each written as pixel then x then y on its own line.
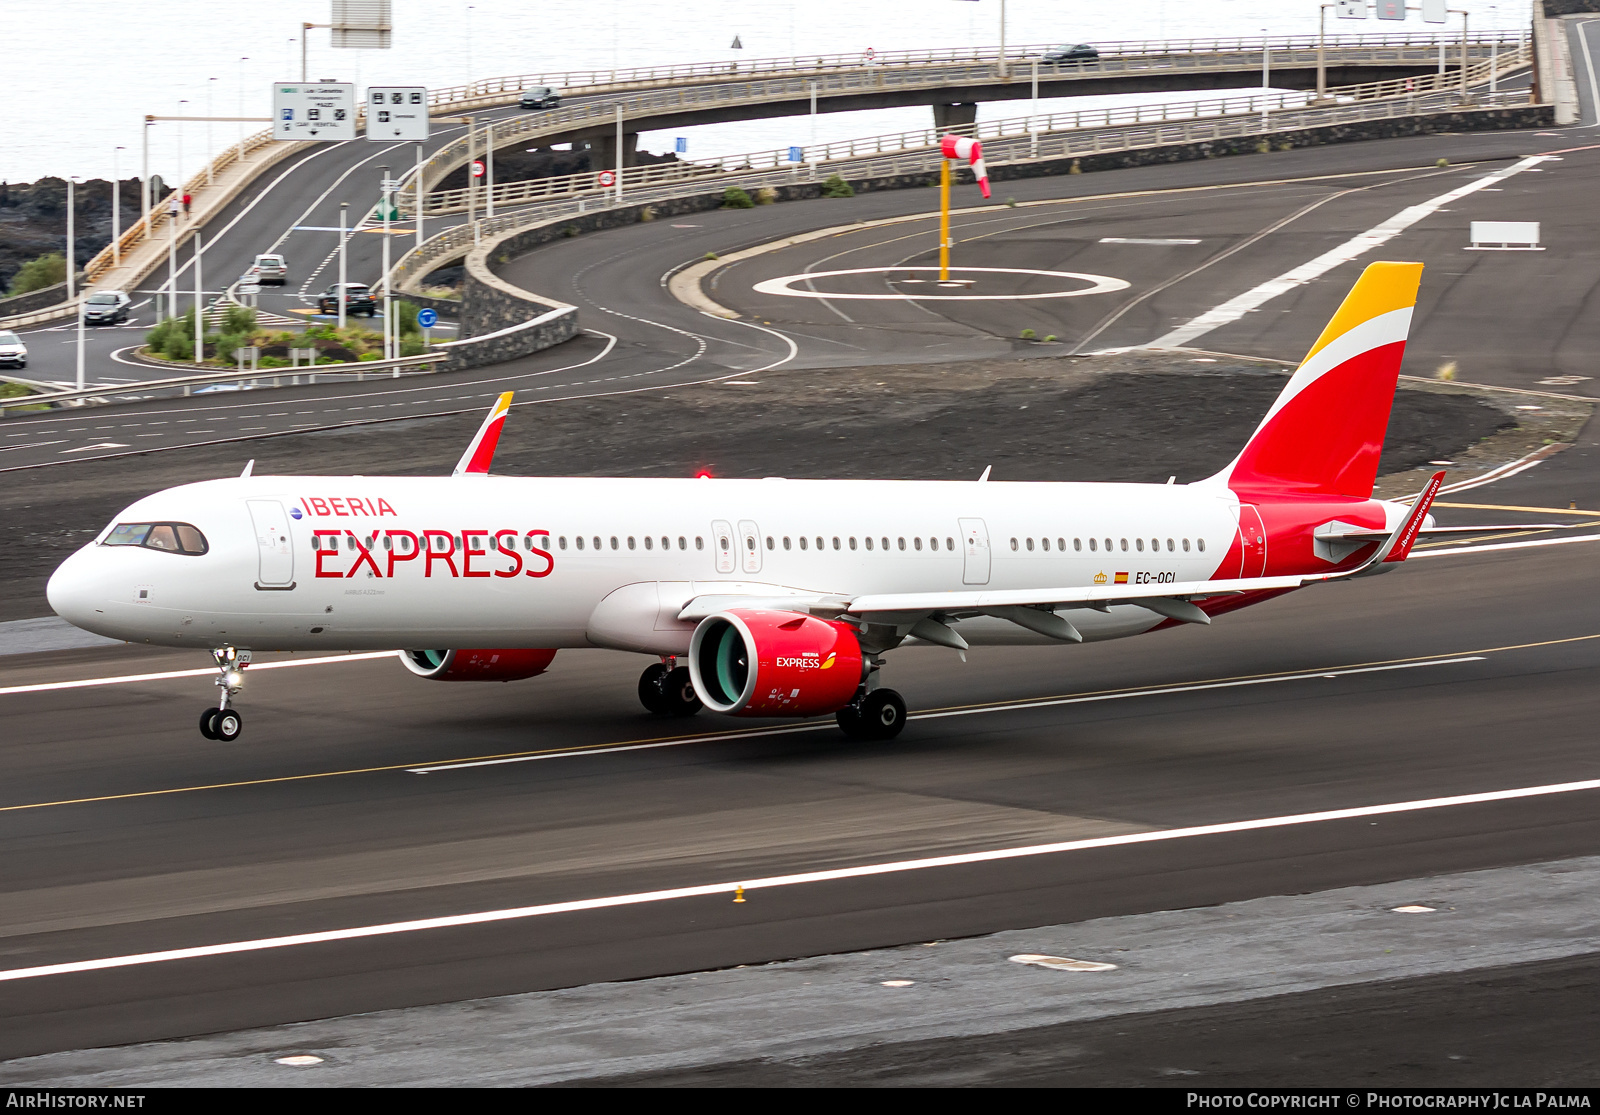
pixel 883 714
pixel 652 688
pixel 207 718
pixel 681 698
pixel 227 725
pixel 849 720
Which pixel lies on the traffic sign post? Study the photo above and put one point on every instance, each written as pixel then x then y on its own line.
pixel 397 113
pixel 427 319
pixel 606 179
pixel 324 111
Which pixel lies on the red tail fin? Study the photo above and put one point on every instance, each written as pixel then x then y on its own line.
pixel 1324 434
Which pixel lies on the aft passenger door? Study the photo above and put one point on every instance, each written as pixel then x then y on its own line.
pixel 975 550
pixel 276 570
pixel 1252 542
pixel 722 544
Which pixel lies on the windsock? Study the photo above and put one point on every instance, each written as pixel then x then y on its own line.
pixel 961 147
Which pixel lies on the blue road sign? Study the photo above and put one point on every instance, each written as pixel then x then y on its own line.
pixel 681 145
pixel 427 318
pixel 796 155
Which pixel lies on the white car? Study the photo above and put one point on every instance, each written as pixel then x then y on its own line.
pixel 13 353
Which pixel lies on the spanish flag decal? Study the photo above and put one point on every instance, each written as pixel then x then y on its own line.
pixel 1122 578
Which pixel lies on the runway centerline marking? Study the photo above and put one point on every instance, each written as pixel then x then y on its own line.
pixel 736 734
pixel 740 886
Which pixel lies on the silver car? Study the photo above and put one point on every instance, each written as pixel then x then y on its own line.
pixel 270 268
pixel 106 307
pixel 13 353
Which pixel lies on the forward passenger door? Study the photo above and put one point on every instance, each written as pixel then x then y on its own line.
pixel 975 551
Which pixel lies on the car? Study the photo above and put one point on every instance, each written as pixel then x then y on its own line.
pixel 1079 52
pixel 539 96
pixel 270 268
pixel 13 353
pixel 357 299
pixel 106 307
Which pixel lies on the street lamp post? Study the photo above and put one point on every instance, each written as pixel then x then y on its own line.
pixel 387 317
pixel 1322 60
pixel 344 295
pixel 210 88
pixel 116 207
pixel 181 112
pixel 71 236
pixel 1494 50
pixel 1266 74
pixel 199 305
pixel 419 195
pixel 242 61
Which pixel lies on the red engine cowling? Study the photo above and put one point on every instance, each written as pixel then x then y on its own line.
pixel 477 665
pixel 761 663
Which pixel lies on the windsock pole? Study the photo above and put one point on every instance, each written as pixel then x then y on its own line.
pixel 944 220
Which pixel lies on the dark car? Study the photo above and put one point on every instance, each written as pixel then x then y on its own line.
pixel 106 307
pixel 1080 52
pixel 357 300
pixel 539 96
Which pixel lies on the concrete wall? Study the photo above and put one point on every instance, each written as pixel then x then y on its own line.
pixel 36 299
pixel 1570 7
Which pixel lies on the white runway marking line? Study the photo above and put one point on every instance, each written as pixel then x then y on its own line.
pixel 1098 284
pixel 1358 245
pixel 519 913
pixel 165 675
pixel 1011 706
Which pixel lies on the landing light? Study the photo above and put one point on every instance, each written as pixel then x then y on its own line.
pixel 234 678
pixel 703 474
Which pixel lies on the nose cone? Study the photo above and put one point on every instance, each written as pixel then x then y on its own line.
pixel 74 592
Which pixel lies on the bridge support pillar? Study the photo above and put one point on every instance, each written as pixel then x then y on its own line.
pixel 947 116
pixel 602 148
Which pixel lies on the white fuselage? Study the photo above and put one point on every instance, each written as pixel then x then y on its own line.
pixel 542 562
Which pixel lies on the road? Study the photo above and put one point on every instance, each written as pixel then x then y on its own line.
pixel 126 834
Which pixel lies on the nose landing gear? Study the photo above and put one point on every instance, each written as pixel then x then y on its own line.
pixel 224 723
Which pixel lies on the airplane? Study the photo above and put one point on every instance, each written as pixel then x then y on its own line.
pixel 762 598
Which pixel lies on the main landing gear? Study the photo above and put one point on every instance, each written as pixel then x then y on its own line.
pixel 666 690
pixel 224 723
pixel 874 714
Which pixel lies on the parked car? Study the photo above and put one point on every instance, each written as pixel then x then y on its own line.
pixel 1079 52
pixel 13 353
pixel 106 307
pixel 357 299
pixel 540 96
pixel 270 268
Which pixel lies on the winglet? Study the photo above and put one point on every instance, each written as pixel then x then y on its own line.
pixel 1399 545
pixel 481 451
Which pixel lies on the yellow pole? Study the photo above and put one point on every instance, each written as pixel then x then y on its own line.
pixel 944 220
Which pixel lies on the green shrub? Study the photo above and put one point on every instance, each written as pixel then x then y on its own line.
pixel 1028 334
pixel 224 344
pixel 46 270
pixel 735 198
pixel 766 195
pixel 239 319
pixel 179 345
pixel 370 356
pixel 834 186
pixel 406 313
pixel 412 346
pixel 1011 203
pixel 1442 163
pixel 712 255
pixel 274 362
pixel 1049 338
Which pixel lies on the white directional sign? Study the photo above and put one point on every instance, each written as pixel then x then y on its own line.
pixel 318 111
pixel 1352 9
pixel 397 113
pixel 1434 11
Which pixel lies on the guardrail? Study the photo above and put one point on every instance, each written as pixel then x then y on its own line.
pixel 453 243
pixel 870 79
pixel 823 155
pixel 105 394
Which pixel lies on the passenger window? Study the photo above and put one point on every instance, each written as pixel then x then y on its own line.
pixel 852 541
pixel 917 543
pixel 771 543
pixel 562 542
pixel 1044 544
pixel 1200 543
pixel 869 543
pixel 786 543
pixel 349 539
pixel 649 542
pixel 819 541
pixel 723 542
pixel 1013 543
pixel 933 543
pixel 885 543
pixel 1138 544
pixel 579 541
pixel 666 543
pixel 902 543
pixel 950 544
pixel 683 543
pixel 699 542
pixel 597 541
pixel 630 543
pixel 1077 543
pixel 836 542
pixel 1155 544
pixel 1124 545
pixel 1030 545
pixel 1093 545
pixel 1185 545
pixel 1170 546
pixel 614 545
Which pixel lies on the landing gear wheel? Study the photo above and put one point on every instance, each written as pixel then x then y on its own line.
pixel 207 723
pixel 881 714
pixel 681 698
pixel 226 725
pixel 653 687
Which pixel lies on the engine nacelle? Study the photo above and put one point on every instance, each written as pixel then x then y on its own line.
pixel 750 662
pixel 477 665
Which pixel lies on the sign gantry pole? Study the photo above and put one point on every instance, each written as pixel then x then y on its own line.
pixel 944 220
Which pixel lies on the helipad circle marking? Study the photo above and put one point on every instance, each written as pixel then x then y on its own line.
pixel 1099 284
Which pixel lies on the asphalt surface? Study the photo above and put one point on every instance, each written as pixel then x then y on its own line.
pixel 125 833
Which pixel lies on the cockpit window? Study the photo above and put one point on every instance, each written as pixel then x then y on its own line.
pixel 174 538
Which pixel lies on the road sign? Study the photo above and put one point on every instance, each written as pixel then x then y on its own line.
pixel 796 155
pixel 321 111
pixel 477 168
pixel 681 145
pixel 1434 11
pixel 606 178
pixel 397 113
pixel 1352 9
pixel 1391 9
pixel 427 318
